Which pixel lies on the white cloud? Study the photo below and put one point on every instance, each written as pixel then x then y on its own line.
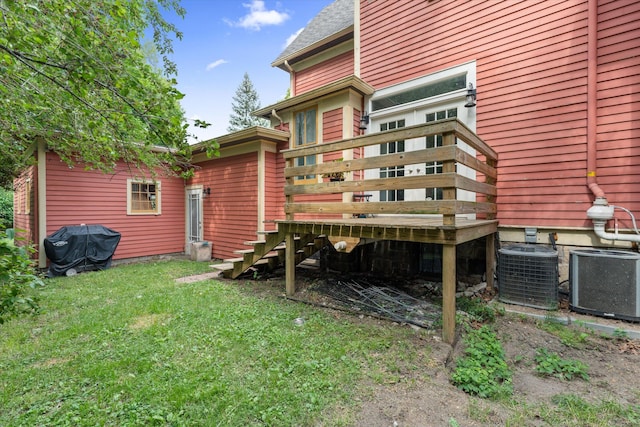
pixel 259 16
pixel 214 64
pixel 292 37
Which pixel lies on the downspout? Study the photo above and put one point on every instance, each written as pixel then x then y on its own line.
pixel 592 99
pixel 292 79
pixel 274 114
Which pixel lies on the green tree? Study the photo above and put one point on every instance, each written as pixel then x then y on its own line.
pixel 6 208
pixel 74 73
pixel 245 101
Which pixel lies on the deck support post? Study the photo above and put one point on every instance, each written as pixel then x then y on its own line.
pixel 448 293
pixel 449 166
pixel 490 259
pixel 290 264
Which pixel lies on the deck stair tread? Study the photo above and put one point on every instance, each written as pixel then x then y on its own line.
pixel 244 251
pixel 270 252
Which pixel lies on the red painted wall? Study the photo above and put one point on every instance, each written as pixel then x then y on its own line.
pixel 274 190
pixel 531 60
pixel 230 212
pixel 75 196
pixel 275 183
pixel 618 131
pixel 326 72
pixel 25 207
pixel 359 152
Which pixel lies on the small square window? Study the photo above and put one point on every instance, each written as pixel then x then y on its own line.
pixel 143 197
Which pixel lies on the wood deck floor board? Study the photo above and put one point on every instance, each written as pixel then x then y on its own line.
pixel 414 229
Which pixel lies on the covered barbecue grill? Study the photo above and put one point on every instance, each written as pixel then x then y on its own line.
pixel 77 248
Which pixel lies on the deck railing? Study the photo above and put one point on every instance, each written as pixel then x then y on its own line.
pixel 450 181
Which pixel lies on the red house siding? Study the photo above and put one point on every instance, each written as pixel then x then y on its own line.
pixel 25 206
pixel 618 131
pixel 279 198
pixel 531 68
pixel 332 125
pixel 274 181
pixel 230 213
pixel 357 154
pixel 75 196
pixel 323 73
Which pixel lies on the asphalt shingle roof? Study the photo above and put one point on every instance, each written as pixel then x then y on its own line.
pixel 331 20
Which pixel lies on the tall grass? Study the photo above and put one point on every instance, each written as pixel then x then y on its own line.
pixel 129 346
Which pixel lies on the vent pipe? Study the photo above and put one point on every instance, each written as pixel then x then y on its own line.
pixel 600 213
pixel 592 99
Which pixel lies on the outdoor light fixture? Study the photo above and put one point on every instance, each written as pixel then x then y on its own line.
pixel 206 191
pixel 471 97
pixel 364 121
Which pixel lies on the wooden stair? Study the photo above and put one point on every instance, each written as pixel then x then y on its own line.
pixel 269 253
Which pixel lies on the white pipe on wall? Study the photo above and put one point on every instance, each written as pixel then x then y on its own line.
pixel 598 228
pixel 600 213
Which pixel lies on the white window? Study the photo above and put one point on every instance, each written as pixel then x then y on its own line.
pixel 433 141
pixel 392 171
pixel 305 135
pixel 432 97
pixel 143 197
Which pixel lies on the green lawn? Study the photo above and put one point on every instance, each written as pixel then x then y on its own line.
pixel 130 346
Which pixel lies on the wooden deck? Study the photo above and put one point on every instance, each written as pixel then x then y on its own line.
pixel 413 229
pixel 431 221
pixel 402 228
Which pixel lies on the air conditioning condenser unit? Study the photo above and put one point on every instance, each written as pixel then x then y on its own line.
pixel 605 283
pixel 528 275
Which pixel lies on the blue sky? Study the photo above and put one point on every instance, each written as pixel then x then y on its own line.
pixel 222 40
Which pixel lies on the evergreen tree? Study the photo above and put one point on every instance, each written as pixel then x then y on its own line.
pixel 245 101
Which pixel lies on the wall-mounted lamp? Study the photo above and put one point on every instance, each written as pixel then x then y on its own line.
pixel 364 121
pixel 471 97
pixel 206 191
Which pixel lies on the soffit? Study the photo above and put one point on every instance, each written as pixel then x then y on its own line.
pixel 255 133
pixel 349 82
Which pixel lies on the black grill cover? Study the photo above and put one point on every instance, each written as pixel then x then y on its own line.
pixel 79 248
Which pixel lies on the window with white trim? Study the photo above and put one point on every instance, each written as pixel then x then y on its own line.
pixel 432 141
pixel 143 197
pixel 305 135
pixel 392 171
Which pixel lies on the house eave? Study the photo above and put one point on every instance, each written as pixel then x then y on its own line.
pixel 315 48
pixel 245 135
pixel 349 82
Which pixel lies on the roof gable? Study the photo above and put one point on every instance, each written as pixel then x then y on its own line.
pixel 331 23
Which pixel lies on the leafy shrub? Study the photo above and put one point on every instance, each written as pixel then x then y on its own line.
pixel 17 275
pixel 551 364
pixel 483 370
pixel 6 209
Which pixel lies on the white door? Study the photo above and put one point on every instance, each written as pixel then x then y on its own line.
pixel 194 216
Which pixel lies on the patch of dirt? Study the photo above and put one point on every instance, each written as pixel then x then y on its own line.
pixel 51 362
pixel 423 395
pixel 198 277
pixel 148 320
